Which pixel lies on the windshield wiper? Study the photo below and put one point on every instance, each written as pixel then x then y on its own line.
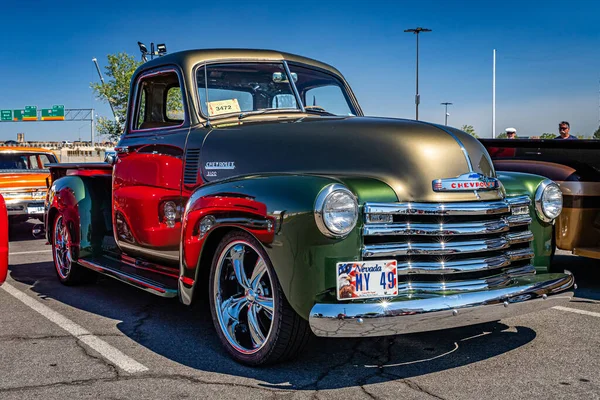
pixel 317 111
pixel 265 110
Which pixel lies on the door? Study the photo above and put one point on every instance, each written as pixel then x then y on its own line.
pixel 148 169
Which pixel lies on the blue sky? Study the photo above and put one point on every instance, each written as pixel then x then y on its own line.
pixel 548 60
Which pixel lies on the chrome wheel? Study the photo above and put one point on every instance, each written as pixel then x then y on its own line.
pixel 243 297
pixel 62 248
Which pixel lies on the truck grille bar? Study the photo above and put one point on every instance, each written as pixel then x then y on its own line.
pixel 445 247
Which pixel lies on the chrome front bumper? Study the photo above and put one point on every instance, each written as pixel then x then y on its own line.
pixel 20 207
pixel 435 312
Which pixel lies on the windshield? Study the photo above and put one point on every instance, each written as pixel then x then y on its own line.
pixel 245 88
pixel 23 161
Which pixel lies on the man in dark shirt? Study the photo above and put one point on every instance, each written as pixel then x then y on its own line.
pixel 563 128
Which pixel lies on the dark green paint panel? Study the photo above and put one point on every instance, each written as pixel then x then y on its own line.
pixel 303 257
pixel 518 183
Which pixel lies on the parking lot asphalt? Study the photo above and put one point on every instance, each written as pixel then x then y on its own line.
pixel 110 340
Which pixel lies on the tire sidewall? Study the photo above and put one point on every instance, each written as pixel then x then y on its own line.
pixel 263 354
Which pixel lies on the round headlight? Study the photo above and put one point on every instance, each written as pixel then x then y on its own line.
pixel 336 210
pixel 548 200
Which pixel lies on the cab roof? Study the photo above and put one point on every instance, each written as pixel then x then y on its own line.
pixel 25 149
pixel 189 58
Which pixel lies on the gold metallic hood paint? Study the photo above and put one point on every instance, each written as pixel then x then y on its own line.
pixel 407 155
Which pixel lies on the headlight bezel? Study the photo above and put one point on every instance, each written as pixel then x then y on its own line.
pixel 322 198
pixel 539 195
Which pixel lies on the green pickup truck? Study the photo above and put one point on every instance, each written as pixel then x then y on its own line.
pixel 271 196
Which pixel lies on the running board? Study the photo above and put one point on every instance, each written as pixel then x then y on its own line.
pixel 152 282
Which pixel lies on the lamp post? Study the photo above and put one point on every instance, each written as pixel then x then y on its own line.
pixel 416 31
pixel 446 113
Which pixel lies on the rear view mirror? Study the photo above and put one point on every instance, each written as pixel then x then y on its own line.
pixel 281 77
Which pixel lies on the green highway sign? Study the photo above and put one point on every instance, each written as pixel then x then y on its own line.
pixel 18 115
pixel 6 115
pixel 56 113
pixel 30 113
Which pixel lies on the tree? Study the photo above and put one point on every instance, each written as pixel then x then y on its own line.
pixel 469 129
pixel 596 134
pixel 115 91
pixel 503 135
pixel 547 135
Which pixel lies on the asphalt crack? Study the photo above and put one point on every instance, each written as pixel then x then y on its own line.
pixel 143 376
pixel 103 360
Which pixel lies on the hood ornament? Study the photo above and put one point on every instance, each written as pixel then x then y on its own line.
pixel 465 183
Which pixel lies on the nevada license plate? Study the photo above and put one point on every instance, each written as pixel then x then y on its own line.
pixel 35 210
pixel 366 279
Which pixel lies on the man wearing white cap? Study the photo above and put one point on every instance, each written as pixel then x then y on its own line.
pixel 511 133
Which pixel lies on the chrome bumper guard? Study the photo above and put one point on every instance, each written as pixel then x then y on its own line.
pixel 434 312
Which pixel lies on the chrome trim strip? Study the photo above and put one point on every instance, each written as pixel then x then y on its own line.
pixel 462 266
pixel 425 229
pixel 466 285
pixel 444 248
pixel 136 281
pixel 517 201
pixel 404 314
pixel 462 208
pixel 164 255
pixel 519 237
pixel 517 220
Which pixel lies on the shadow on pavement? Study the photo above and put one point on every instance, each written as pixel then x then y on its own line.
pixel 586 272
pixel 186 336
pixel 19 232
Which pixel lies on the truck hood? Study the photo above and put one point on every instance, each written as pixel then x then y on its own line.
pixel 22 179
pixel 407 155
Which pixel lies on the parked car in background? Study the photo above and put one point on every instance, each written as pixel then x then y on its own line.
pixel 271 196
pixel 575 166
pixel 23 181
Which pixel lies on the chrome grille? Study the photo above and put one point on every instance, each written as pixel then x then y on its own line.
pixel 444 247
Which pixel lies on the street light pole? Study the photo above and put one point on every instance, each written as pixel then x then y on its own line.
pixel 416 31
pixel 102 80
pixel 446 113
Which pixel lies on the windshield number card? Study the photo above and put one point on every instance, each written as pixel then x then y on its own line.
pixel 367 279
pixel 223 107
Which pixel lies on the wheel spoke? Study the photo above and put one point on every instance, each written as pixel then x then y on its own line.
pixel 237 259
pixel 266 303
pixel 254 326
pixel 230 313
pixel 259 271
pixel 231 307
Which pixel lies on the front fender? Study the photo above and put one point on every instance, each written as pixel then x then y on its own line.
pixel 516 184
pixel 84 203
pixel 279 211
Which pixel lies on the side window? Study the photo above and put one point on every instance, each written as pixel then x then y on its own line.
pixel 174 110
pixel 33 162
pixel 159 103
pixel 46 160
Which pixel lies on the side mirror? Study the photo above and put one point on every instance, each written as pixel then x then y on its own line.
pixel 110 159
